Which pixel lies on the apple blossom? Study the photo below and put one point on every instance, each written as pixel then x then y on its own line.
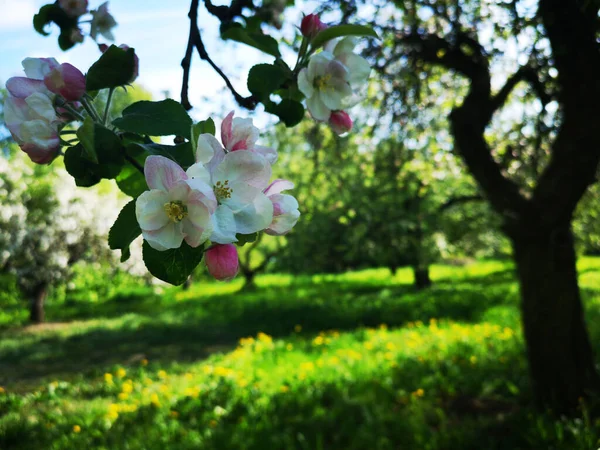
pixel 30 117
pixel 311 25
pixel 325 84
pixel 241 134
pixel 340 122
pixel 176 208
pixel 74 8
pixel 38 68
pixel 102 23
pixel 222 261
pixel 285 208
pixel 237 179
pixel 359 67
pixel 66 81
pixel 76 35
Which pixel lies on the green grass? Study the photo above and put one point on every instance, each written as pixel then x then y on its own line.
pixel 353 361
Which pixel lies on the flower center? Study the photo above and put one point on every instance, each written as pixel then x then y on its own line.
pixel 176 211
pixel 222 190
pixel 321 81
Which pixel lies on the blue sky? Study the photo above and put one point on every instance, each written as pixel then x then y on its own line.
pixel 158 30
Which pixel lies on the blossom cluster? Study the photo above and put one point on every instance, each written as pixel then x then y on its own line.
pixel 333 79
pixel 101 22
pixel 225 193
pixel 31 109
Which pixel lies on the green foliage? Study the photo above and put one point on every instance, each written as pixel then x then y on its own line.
pixel 174 265
pixel 124 231
pixel 54 14
pixel 204 126
pixel 100 144
pixel 256 39
pixel 352 361
pixel 263 79
pixel 341 31
pixel 114 68
pixel 163 118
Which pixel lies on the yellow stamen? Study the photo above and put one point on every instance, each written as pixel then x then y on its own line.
pixel 321 82
pixel 176 211
pixel 222 190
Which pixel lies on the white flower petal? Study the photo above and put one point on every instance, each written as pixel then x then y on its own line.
pixel 198 172
pixel 317 108
pixel 150 210
pixel 162 173
pixel 223 226
pixel 243 166
pixel 207 147
pixel 304 84
pixel 169 236
pixel 255 217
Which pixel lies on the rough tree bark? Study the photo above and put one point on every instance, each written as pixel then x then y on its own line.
pixel 36 308
pixel 558 347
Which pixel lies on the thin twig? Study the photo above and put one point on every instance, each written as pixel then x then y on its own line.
pixel 195 40
pixel 134 163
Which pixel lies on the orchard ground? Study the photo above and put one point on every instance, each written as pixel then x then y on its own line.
pixel 353 361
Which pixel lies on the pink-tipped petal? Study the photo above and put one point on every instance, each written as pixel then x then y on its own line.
pixel 22 87
pixel 278 186
pixel 222 261
pixel 340 122
pixel 162 173
pixel 67 81
pixel 226 129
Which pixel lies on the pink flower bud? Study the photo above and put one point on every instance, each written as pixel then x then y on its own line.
pixel 74 8
pixel 222 261
pixel 311 26
pixel 67 81
pixel 340 122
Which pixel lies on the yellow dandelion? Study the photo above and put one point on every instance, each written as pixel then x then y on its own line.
pixel 390 346
pixel 188 376
pixel 318 340
pixel 127 387
pixel 123 396
pixel 289 347
pixel 162 374
pixel 207 370
pixel 418 393
pixel 76 429
pixel 155 400
pixel 307 366
pixel 264 337
pixel 368 345
pixel 473 359
pixel 120 373
pixel 284 389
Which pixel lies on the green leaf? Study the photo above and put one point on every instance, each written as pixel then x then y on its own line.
pixel 204 126
pixel 243 239
pixel 53 13
pixel 131 181
pixel 114 68
pixel 109 151
pixel 264 79
pixel 258 40
pixel 85 133
pixel 289 111
pixel 182 153
pixel 339 31
pixel 173 266
pixel 125 230
pixel 80 168
pixel 163 118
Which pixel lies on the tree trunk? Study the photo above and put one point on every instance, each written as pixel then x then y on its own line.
pixel 249 284
pixel 36 309
pixel 560 356
pixel 422 280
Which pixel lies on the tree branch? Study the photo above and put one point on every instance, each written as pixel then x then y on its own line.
pixel 195 40
pixel 459 201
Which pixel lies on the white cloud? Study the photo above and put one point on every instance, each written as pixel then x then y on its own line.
pixel 17 15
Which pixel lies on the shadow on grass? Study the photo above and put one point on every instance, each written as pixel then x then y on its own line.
pixel 167 331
